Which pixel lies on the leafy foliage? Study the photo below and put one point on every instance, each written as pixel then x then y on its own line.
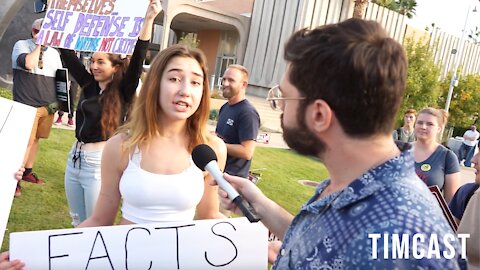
pixel 422 88
pixel 213 115
pixel 5 93
pixel 463 108
pixel 404 7
pixel 474 35
pixel 189 39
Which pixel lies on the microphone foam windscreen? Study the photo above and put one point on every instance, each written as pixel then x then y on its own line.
pixel 202 154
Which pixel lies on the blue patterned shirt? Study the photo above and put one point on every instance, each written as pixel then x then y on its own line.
pixel 333 232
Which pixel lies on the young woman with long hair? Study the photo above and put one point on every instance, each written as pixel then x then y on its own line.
pixel 108 90
pixel 148 164
pixel 434 163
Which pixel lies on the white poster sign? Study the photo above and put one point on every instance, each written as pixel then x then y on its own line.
pixel 16 121
pixel 110 26
pixel 233 243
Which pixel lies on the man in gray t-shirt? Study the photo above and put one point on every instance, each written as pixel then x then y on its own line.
pixel 34 68
pixel 405 133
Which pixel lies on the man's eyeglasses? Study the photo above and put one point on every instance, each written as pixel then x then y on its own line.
pixel 276 99
pixel 35 31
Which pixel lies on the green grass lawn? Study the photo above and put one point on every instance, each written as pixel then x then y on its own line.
pixel 45 207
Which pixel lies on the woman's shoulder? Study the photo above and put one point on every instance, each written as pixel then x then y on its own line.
pixel 114 151
pixel 449 157
pixel 117 138
pixel 114 144
pixel 443 149
pixel 217 144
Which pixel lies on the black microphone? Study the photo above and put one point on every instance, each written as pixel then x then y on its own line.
pixel 205 158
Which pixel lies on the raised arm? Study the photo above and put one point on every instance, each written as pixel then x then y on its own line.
pixel 154 8
pixel 76 68
pixel 31 59
pixel 135 68
pixel 113 164
pixel 23 57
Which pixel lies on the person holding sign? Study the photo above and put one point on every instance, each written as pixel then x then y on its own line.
pixel 434 163
pixel 341 90
pixel 34 67
pixel 148 164
pixel 108 90
pixel 6 264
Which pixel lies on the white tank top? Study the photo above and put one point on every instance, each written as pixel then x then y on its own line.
pixel 149 197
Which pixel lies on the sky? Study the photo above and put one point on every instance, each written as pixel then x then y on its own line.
pixel 449 15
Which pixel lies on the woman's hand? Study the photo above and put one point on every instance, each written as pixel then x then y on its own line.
pixel 154 8
pixel 19 174
pixel 6 264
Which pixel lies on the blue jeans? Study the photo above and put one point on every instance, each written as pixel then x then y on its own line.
pixel 466 152
pixel 468 159
pixel 82 182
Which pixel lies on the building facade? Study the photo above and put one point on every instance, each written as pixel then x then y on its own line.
pixel 248 32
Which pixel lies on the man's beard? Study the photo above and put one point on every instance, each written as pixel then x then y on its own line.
pixel 231 92
pixel 301 139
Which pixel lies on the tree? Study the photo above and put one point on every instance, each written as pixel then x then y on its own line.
pixel 189 39
pixel 465 99
pixel 474 35
pixel 404 7
pixel 422 87
pixel 359 8
pixel 407 7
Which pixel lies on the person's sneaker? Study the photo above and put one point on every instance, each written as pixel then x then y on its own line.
pixel 18 191
pixel 58 122
pixel 32 178
pixel 70 122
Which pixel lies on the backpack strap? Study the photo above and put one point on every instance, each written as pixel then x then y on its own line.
pixel 399 134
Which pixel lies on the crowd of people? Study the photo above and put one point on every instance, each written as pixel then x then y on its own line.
pixel 340 94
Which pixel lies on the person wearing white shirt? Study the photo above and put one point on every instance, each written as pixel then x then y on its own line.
pixel 468 146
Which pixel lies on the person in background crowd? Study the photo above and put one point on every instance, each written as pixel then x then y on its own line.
pixel 5 263
pixel 406 132
pixel 73 96
pixel 34 67
pixel 238 121
pixel 148 164
pixel 459 202
pixel 340 93
pixel 434 163
pixel 467 149
pixel 470 222
pixel 108 90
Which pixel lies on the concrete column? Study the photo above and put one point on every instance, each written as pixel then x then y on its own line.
pixel 166 31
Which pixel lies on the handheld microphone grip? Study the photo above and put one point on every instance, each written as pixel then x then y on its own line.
pixel 246 209
pixel 205 158
pixel 233 195
pixel 213 169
